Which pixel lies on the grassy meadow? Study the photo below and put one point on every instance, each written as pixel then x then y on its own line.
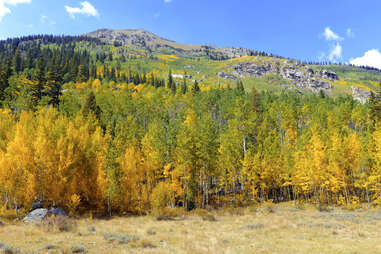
pixel 282 228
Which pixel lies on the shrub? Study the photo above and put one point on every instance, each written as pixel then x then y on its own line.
pixel 146 244
pixel 255 226
pixel 151 231
pixel 58 224
pixel 354 204
pixel 160 197
pixel 267 207
pixel 78 249
pixel 50 247
pixel 299 205
pixel 120 238
pixel 91 229
pixel 167 213
pixel 236 211
pixel 323 208
pixel 8 250
pixel 251 209
pixel 10 212
pixel 205 215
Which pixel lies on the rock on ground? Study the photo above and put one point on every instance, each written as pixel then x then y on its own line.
pixel 36 215
pixel 360 95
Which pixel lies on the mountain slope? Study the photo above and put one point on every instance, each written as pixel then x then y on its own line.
pixel 250 65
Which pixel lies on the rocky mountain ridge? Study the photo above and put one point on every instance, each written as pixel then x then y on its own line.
pixel 296 75
pixel 140 39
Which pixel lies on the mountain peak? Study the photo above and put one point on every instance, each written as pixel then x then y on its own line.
pixel 139 37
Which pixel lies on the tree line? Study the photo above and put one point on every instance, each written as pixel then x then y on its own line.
pixel 101 137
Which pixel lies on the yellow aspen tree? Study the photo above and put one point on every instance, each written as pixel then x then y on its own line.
pixel 251 168
pixel 131 182
pixel 374 179
pixel 16 165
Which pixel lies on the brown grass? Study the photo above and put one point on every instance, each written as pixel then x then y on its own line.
pixel 287 230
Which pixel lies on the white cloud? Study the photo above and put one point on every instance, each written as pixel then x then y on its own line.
pixel 336 50
pixel 350 33
pixel 86 9
pixel 43 18
pixel 46 20
pixel 335 53
pixel 371 58
pixel 329 35
pixel 4 6
pixel 167 1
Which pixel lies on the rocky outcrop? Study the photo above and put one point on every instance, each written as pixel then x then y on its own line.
pixel 227 76
pixel 299 76
pixel 246 69
pixel 360 95
pixel 330 75
pixel 37 215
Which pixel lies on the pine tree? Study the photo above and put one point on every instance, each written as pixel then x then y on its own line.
pixel 91 106
pixel 184 86
pixel 170 80
pixel 375 107
pixel 255 104
pixel 40 80
pixel 17 61
pixel 240 86
pixel 83 73
pixel 195 88
pixel 53 84
pixel 173 88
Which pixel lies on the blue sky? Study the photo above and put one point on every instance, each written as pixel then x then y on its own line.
pixel 323 30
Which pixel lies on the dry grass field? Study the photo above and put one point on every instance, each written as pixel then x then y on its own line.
pixel 276 229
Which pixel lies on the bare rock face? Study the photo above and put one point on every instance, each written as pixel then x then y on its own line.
pixel 250 70
pixel 299 76
pixel 227 76
pixel 330 75
pixel 360 95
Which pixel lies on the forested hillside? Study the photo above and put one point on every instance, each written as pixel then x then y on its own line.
pixel 111 128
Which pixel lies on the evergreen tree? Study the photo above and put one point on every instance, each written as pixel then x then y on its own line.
pixel 17 62
pixel 170 80
pixel 83 74
pixel 184 86
pixel 195 87
pixel 53 84
pixel 91 106
pixel 255 104
pixel 240 86
pixel 152 80
pixel 5 73
pixel 375 108
pixel 40 80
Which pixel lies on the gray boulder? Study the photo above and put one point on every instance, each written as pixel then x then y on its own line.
pixel 37 215
pixel 360 95
pixel 225 76
pixel 57 212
